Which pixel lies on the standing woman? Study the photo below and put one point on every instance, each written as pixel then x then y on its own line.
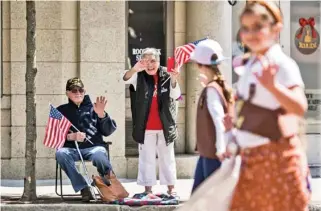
pixel 154 119
pixel 271 101
pixel 214 102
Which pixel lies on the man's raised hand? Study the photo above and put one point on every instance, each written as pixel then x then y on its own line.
pixel 99 106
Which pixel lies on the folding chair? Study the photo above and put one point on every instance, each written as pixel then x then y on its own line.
pixel 60 176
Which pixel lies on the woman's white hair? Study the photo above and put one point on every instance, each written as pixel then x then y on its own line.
pixel 151 51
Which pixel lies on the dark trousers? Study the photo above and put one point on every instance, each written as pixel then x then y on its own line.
pixel 204 168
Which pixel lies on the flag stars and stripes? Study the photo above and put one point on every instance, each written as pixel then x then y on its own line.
pixel 56 130
pixel 183 53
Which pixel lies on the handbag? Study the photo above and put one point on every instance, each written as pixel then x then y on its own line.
pixel 109 187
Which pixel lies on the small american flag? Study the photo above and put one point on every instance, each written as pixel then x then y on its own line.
pixel 183 53
pixel 56 129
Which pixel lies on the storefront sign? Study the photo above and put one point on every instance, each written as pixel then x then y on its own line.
pixel 307 39
pixel 314 101
pixel 137 52
pixel 313 114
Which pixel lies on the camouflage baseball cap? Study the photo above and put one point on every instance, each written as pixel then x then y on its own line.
pixel 74 82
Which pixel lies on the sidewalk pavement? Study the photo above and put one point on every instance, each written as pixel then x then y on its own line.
pixel 46 190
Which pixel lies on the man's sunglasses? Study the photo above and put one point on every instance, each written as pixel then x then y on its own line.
pixel 81 90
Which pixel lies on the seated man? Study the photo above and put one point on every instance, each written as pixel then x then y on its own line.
pixel 93 122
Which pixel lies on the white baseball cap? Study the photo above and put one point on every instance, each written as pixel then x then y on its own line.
pixel 204 51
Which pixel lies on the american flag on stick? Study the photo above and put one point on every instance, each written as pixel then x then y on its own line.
pixel 56 129
pixel 183 53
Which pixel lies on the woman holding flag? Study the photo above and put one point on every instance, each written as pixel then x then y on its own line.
pixel 154 119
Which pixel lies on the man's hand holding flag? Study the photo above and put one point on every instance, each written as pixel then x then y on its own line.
pixel 57 129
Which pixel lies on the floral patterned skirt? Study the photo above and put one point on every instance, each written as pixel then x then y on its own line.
pixel 273 177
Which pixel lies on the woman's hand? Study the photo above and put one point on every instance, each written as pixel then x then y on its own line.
pixel 174 73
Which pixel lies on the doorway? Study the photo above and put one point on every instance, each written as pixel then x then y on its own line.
pixel 146 28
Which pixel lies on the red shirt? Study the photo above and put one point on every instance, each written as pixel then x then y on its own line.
pixel 154 121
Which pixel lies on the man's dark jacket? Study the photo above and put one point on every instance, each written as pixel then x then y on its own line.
pixel 85 119
pixel 141 100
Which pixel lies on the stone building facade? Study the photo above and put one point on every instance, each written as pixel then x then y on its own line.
pixel 96 41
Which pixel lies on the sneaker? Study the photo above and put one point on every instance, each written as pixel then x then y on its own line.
pixel 86 194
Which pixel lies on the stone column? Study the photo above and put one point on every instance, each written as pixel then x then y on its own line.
pixel 102 50
pixel 6 89
pixel 179 40
pixel 213 19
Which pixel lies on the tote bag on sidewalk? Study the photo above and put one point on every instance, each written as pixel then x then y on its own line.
pixel 217 190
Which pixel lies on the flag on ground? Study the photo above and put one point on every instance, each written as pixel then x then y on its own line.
pixel 183 53
pixel 56 129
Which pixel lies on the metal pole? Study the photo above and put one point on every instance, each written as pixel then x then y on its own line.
pixel 166 80
pixel 87 139
pixel 84 166
pixel 86 172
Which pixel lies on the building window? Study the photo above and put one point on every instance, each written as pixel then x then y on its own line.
pixel 305 50
pixel 145 28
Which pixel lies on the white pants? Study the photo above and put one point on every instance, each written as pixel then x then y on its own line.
pixel 155 142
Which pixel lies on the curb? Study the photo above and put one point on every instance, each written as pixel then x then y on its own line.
pixel 97 207
pixel 83 207
pixel 315 207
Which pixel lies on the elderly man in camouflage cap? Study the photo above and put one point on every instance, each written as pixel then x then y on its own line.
pixel 93 123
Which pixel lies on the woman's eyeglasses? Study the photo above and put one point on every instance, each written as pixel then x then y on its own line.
pixel 74 91
pixel 146 61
